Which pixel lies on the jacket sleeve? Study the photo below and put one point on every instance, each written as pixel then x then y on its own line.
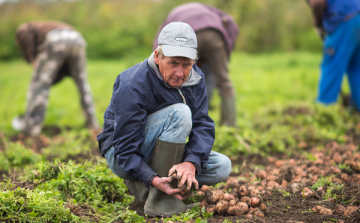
pixel 129 107
pixel 202 134
pixel 105 138
pixel 318 8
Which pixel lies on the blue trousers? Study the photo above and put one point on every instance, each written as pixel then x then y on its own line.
pixel 341 55
pixel 173 124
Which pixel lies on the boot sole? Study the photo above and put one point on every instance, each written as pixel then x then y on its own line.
pixel 153 213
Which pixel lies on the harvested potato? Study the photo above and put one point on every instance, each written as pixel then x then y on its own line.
pixel 235 210
pixel 255 201
pixel 258 213
pixel 243 206
pixel 228 197
pixel 214 196
pixel 232 202
pixel 262 207
pixel 249 216
pixel 339 209
pixel 317 208
pixel 349 210
pixel 325 211
pixel 246 200
pixel 232 183
pixel 261 174
pixel 205 188
pixel 243 191
pixel 211 208
pixel 221 206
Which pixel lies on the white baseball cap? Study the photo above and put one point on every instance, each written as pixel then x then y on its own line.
pixel 178 39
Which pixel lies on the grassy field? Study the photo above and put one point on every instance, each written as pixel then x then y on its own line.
pixel 264 83
pixel 261 81
pixel 276 114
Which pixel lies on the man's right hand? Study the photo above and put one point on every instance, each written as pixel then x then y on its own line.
pixel 163 184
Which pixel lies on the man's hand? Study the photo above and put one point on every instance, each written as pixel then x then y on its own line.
pixel 186 173
pixel 163 184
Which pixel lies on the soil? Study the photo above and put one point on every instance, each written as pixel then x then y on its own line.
pixel 291 209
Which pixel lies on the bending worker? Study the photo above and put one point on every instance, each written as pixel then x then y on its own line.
pixel 216 32
pixel 55 50
pixel 338 22
pixel 155 106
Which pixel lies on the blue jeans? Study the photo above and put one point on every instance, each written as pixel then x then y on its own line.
pixel 173 124
pixel 341 55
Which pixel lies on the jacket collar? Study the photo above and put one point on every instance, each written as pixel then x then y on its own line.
pixel 193 79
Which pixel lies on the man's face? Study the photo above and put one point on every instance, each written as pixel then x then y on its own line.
pixel 174 70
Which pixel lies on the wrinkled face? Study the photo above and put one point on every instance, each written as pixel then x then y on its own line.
pixel 174 70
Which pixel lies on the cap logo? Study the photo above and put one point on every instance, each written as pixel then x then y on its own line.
pixel 181 39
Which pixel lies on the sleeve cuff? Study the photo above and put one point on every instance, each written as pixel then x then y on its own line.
pixel 194 160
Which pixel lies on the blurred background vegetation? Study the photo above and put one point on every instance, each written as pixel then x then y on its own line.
pixel 117 28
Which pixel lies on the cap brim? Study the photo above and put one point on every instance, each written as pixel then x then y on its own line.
pixel 179 51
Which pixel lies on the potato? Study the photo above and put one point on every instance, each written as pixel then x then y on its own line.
pixel 214 196
pixel 243 191
pixel 248 216
pixel 221 206
pixel 235 210
pixel 232 202
pixel 339 209
pixel 246 200
pixel 254 192
pixel 232 183
pixel 255 201
pixel 205 188
pixel 258 213
pixel 262 207
pixel 243 206
pixel 326 211
pixel 261 174
pixel 228 197
pixel 200 193
pixel 211 208
pixel 349 210
pixel 317 208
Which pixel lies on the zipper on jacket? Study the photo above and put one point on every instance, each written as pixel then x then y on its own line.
pixel 184 101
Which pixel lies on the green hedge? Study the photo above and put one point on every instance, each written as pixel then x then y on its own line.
pixel 114 29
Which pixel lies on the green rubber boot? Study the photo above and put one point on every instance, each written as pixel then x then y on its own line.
pixel 228 111
pixel 138 189
pixel 165 156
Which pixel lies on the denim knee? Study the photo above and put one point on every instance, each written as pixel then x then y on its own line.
pixel 182 116
pixel 224 169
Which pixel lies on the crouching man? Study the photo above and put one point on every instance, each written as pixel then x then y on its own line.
pixel 155 106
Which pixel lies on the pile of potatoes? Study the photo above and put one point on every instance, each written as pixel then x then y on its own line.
pixel 243 197
pixel 237 202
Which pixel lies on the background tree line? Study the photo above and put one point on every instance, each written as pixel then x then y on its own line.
pixel 116 28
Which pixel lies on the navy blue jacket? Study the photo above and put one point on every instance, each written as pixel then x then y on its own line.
pixel 338 11
pixel 138 92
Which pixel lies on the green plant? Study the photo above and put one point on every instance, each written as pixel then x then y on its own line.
pixel 16 155
pixel 29 206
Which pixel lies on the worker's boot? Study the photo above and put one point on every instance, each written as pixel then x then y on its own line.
pixel 165 156
pixel 228 111
pixel 138 189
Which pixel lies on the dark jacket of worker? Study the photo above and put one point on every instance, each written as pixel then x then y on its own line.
pixel 138 92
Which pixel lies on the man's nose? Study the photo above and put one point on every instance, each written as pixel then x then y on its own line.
pixel 179 71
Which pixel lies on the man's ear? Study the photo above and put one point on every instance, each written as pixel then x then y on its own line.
pixel 156 57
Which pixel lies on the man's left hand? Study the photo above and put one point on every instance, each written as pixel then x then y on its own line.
pixel 186 173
